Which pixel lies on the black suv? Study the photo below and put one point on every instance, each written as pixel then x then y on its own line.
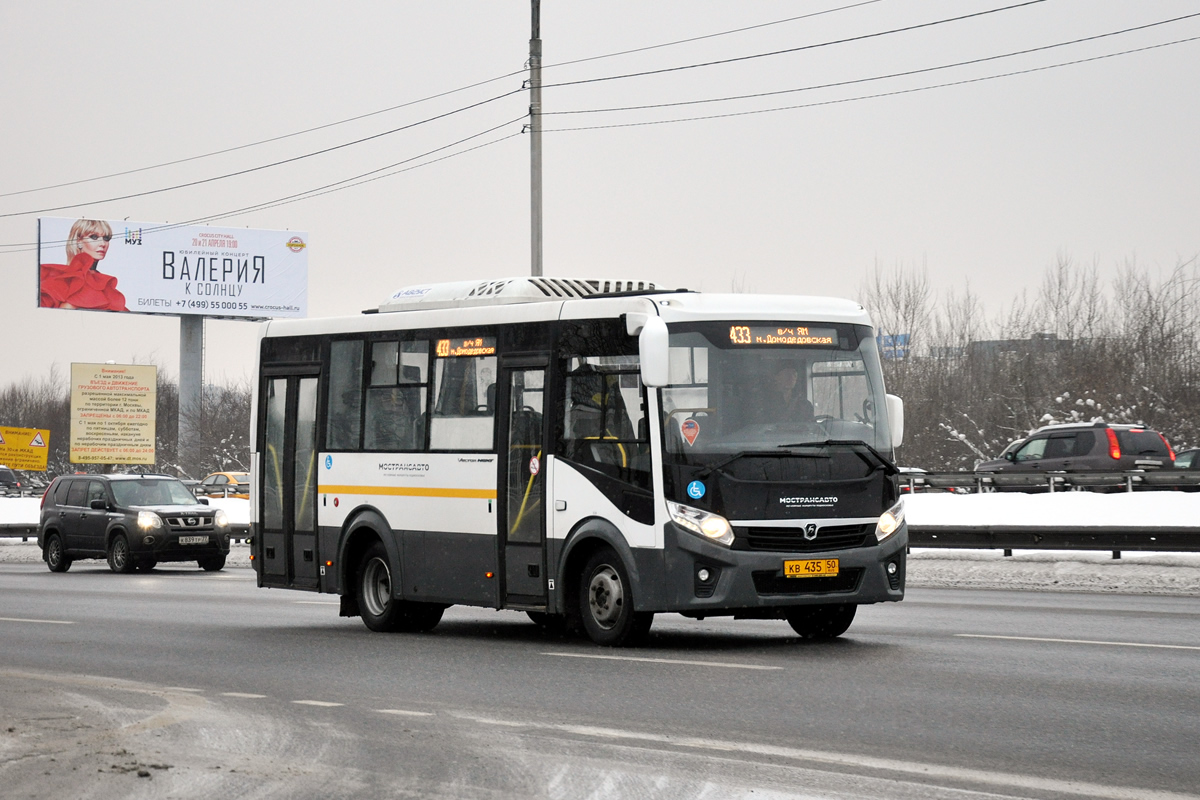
pixel 1080 447
pixel 135 521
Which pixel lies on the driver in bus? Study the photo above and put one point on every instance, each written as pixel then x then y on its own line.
pixel 783 399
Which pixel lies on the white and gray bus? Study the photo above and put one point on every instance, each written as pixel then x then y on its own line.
pixel 588 452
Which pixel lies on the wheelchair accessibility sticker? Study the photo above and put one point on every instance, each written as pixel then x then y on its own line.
pixel 696 490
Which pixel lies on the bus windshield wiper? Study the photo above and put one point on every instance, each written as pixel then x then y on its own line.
pixel 859 447
pixel 717 467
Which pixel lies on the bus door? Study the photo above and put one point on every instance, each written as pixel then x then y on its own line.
pixel 522 490
pixel 288 493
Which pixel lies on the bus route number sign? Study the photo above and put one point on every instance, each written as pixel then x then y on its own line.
pixel 782 335
pixel 470 347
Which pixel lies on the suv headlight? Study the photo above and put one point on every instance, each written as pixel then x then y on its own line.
pixel 889 521
pixel 221 518
pixel 713 527
pixel 148 520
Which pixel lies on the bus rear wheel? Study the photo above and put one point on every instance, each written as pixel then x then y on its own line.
pixel 379 609
pixel 606 603
pixel 821 622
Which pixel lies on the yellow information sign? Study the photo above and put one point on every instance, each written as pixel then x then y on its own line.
pixel 24 448
pixel 113 413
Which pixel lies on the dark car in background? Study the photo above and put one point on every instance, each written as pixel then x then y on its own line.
pixel 1188 459
pixel 10 483
pixel 1082 447
pixel 134 521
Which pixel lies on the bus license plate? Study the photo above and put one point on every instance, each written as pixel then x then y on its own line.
pixel 819 567
pixel 193 540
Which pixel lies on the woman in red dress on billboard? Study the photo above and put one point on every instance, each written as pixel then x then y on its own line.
pixel 78 284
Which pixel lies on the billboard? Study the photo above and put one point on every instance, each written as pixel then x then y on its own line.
pixel 148 268
pixel 113 413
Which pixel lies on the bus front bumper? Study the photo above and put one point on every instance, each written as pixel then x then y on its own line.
pixel 707 579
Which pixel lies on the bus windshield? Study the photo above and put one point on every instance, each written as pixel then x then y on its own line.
pixel 758 387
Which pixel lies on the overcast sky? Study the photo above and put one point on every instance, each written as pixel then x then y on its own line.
pixel 986 181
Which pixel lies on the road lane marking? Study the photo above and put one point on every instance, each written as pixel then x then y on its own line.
pixel 181 689
pixel 38 621
pixel 921 770
pixel 404 712
pixel 1077 641
pixel 723 664
pixel 319 703
pixel 243 694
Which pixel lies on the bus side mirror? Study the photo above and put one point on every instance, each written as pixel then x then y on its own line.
pixel 895 412
pixel 653 352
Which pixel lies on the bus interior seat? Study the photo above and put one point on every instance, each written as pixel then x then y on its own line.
pixel 489 393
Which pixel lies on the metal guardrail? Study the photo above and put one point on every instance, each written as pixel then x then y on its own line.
pixel 1009 538
pixel 1129 481
pixel 25 531
pixel 1024 537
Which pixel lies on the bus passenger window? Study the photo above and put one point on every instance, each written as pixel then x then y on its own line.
pixel 396 398
pixel 464 403
pixel 604 419
pixel 343 419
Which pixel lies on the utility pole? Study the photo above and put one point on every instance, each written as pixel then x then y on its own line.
pixel 535 139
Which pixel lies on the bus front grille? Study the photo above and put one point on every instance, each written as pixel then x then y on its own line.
pixel 773 582
pixel 792 540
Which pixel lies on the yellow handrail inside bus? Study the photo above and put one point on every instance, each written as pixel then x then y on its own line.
pixel 274 456
pixel 621 447
pixel 525 500
pixel 312 461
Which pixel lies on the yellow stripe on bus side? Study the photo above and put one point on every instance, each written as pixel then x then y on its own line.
pixel 409 491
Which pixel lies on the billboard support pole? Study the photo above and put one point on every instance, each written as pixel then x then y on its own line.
pixel 191 386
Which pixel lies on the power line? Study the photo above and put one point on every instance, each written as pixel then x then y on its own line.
pixel 315 193
pixel 878 95
pixel 264 141
pixel 436 96
pixel 708 35
pixel 264 166
pixel 802 48
pixel 345 183
pixel 875 77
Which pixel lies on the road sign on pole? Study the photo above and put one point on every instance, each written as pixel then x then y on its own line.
pixel 24 448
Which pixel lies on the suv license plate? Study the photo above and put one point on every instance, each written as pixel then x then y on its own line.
pixel 819 567
pixel 204 540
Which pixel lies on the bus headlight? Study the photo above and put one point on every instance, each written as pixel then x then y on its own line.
pixel 148 520
pixel 890 521
pixel 221 518
pixel 713 527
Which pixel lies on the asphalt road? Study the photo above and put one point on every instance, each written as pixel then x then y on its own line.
pixel 181 683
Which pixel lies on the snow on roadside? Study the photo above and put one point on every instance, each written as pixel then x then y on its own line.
pixel 1121 509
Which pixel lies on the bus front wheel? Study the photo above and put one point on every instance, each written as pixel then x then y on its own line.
pixel 821 622
pixel 606 602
